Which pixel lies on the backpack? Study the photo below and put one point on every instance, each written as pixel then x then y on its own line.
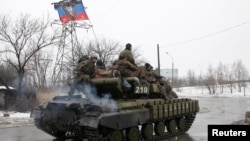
pixel 86 67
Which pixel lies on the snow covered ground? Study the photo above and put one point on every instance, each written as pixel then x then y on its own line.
pixel 203 92
pixel 23 119
pixel 15 119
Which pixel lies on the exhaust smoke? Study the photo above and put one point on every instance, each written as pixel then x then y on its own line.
pixel 91 93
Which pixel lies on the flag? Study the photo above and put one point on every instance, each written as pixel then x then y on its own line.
pixel 80 11
pixel 71 10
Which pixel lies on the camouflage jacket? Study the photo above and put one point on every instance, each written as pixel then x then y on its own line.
pixel 128 55
pixel 85 67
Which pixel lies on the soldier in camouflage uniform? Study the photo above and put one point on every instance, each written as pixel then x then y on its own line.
pixel 85 70
pixel 125 63
pixel 126 68
pixel 151 77
pixel 127 54
pixel 93 59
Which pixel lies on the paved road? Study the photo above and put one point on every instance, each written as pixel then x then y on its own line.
pixel 215 110
pixel 218 110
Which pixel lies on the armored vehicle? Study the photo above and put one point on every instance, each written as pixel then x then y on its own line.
pixel 117 109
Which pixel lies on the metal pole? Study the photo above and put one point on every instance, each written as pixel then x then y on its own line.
pixel 158 55
pixel 172 73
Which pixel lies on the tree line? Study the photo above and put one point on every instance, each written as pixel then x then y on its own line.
pixel 35 54
pixel 217 79
pixel 31 56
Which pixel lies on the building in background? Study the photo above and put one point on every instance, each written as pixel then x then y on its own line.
pixel 167 73
pixel 7 97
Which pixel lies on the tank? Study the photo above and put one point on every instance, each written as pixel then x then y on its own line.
pixel 117 109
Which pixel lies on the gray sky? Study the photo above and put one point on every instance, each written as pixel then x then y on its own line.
pixel 195 32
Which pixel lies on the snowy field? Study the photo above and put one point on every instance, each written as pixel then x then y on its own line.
pixel 15 119
pixel 23 119
pixel 203 91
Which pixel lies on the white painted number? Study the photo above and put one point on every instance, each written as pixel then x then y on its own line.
pixel 141 89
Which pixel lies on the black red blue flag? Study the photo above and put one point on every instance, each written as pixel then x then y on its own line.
pixel 71 10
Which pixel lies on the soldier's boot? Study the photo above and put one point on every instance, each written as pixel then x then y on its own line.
pixel 71 91
pixel 126 85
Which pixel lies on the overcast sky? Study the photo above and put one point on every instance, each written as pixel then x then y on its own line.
pixel 196 33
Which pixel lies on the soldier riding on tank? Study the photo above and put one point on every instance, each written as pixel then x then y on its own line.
pixel 85 70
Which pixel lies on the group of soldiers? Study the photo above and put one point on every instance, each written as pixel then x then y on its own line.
pixel 124 66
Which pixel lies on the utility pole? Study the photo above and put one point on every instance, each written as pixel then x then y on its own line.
pixel 158 55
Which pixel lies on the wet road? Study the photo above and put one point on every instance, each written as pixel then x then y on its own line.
pixel 213 110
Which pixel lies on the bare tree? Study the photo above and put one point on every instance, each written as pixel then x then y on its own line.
pixel 105 49
pixel 245 75
pixel 180 82
pixel 39 67
pixel 200 81
pixel 210 80
pixel 83 48
pixel 191 78
pixel 139 59
pixel 221 76
pixel 108 51
pixel 229 77
pixel 240 74
pixel 23 38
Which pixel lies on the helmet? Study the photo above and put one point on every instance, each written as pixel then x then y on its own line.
pixel 93 57
pixel 128 46
pixel 100 64
pixel 148 66
pixel 83 58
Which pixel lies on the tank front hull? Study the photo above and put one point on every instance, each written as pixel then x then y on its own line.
pixel 151 118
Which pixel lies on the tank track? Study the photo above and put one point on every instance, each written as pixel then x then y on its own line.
pixel 166 135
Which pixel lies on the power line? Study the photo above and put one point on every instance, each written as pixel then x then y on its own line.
pixel 207 35
pixel 108 10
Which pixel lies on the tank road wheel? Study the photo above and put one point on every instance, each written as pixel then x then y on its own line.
pixel 159 128
pixel 132 134
pixel 181 125
pixel 171 126
pixel 116 135
pixel 147 131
